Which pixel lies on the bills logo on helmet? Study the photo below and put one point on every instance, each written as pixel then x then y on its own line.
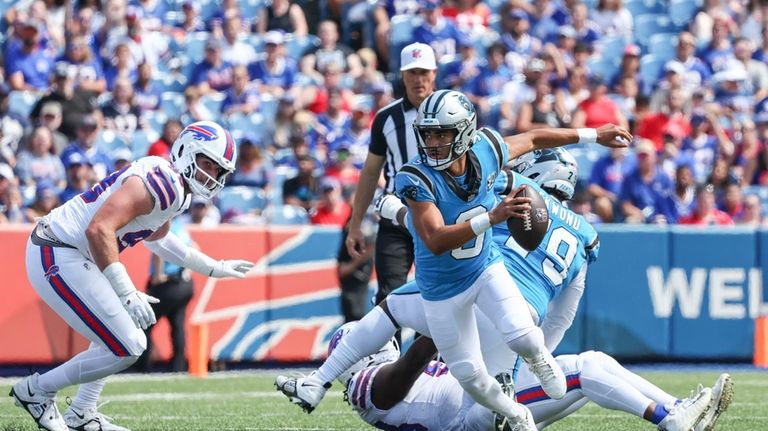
pixel 202 132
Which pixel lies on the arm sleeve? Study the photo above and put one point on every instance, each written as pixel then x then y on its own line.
pixel 562 310
pixel 170 248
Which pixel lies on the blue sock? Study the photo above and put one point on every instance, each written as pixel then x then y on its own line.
pixel 659 414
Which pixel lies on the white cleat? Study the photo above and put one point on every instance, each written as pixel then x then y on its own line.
pixel 722 394
pixel 40 405
pixel 550 375
pixel 521 423
pixel 89 420
pixel 307 392
pixel 685 415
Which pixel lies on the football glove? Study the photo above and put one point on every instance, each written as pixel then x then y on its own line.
pixel 231 268
pixel 137 305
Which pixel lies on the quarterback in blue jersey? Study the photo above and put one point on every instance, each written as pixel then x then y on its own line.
pixel 449 190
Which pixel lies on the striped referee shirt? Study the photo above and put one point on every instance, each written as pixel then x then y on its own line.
pixel 393 137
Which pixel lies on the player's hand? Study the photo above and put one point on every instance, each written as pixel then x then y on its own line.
pixel 231 268
pixel 355 242
pixel 387 206
pixel 613 136
pixel 511 206
pixel 137 305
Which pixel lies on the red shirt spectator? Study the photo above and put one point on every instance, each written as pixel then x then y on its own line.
pixel 598 109
pixel 706 213
pixel 331 208
pixel 162 147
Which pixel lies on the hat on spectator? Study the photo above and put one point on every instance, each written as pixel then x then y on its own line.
pixel 674 130
pixel 595 80
pixel 88 120
pixel 632 50
pixel 75 158
pixel 62 69
pixel 567 31
pixel 535 65
pixel 731 71
pixel 697 119
pixel 361 103
pixel 274 37
pixel 122 155
pixel 329 183
pixel 6 172
pixel 51 108
pixel 674 66
pixel 645 146
pixel 429 4
pixel 518 14
pixel 45 189
pixel 417 56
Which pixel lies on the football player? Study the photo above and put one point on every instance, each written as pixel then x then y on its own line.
pixel 73 262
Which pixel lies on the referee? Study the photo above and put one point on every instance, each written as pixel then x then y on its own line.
pixel 393 143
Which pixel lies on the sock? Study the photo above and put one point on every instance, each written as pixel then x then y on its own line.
pixel 644 386
pixel 608 390
pixel 528 345
pixel 366 338
pixel 659 413
pixel 92 364
pixel 87 395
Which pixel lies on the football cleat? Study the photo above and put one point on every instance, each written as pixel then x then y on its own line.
pixel 307 392
pixel 500 422
pixel 89 420
pixel 686 414
pixel 550 375
pixel 722 394
pixel 40 405
pixel 522 423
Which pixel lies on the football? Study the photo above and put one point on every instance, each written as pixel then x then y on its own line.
pixel 530 230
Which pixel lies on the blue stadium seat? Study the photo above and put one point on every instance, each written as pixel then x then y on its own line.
pixel 251 8
pixel 141 140
pixel 213 102
pixel 236 200
pixel 613 48
pixel 208 8
pixel 296 46
pixel 650 68
pixel 586 156
pixel 681 12
pixel 663 45
pixel 169 81
pixel 649 25
pixel 109 141
pixel 239 124
pixel 400 34
pixel 172 104
pixel 156 120
pixel 22 102
pixel 641 7
pixel 195 46
pixel 287 215
pixel 605 68
pixel 268 108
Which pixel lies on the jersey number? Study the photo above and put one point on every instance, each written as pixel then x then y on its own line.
pixel 472 248
pixel 560 252
pixel 102 186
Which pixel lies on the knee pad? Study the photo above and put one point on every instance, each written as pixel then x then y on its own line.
pixel 471 377
pixel 136 343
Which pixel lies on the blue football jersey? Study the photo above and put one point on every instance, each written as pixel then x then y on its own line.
pixel 458 199
pixel 569 244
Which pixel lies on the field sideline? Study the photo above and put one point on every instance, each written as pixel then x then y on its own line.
pixel 248 401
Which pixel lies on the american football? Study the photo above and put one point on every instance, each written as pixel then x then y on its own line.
pixel 530 230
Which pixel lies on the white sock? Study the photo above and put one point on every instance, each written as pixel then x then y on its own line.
pixel 644 386
pixel 92 364
pixel 530 345
pixel 608 390
pixel 366 338
pixel 88 394
pixel 486 391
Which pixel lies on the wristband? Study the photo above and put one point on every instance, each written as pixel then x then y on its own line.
pixel 587 136
pixel 480 223
pixel 119 279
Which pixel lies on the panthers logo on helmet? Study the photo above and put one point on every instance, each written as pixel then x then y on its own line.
pixel 466 104
pixel 202 132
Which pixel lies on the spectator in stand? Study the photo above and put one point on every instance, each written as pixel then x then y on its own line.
pixel 370 76
pixel 587 32
pixel 302 190
pixel 38 161
pixel 79 176
pixel 459 73
pixel 749 151
pixel 471 16
pixel 145 46
pixel 545 19
pixel 626 98
pixel 254 169
pixel 704 148
pixel 565 44
pixel 227 9
pixel 153 14
pixel 490 80
pixel 196 109
pixel 357 136
pixel 277 134
pixel 213 73
pixel 521 46
pixel 607 179
pixel 191 22
pixel 582 205
pixel 719 48
pixel 242 97
pixel 437 31
pixel 89 75
pixel 334 121
pixel 757 70
pixel 720 177
pixel 697 73
pixel 761 54
pixel 382 96
pixel 319 96
pixel 122 157
pixel 540 113
pixel 354 275
pixel 733 201
pixel 121 65
pixel 27 64
pixel 235 50
pixel 45 201
pixel 646 195
pixel 50 118
pixel 673 80
pixel 598 109
pixel 613 19
pixel 284 16
pixel 517 93
pixel 630 68
pixel 201 212
pixel 753 212
pixel 275 72
pixel 571 93
pixel 343 168
pixel 671 155
pixel 652 125
pixel 85 144
pixel 162 147
pixel 121 114
pixel 74 104
pixel 330 51
pixel 147 93
pixel 706 213
pixel 331 209
pixel 685 191
pixel 10 197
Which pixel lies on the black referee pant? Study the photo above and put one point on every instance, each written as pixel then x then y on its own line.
pixel 394 257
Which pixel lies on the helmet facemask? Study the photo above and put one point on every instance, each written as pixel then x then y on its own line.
pixel 445 110
pixel 204 139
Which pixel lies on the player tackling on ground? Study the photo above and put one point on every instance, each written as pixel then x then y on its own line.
pixel 73 263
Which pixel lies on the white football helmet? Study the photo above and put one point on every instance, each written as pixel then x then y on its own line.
pixel 446 110
pixel 209 139
pixel 554 169
pixel 388 353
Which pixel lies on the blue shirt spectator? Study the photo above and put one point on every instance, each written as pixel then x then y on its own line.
pixel 27 65
pixel 609 171
pixel 281 73
pixel 436 31
pixel 241 97
pixel 213 72
pixel 78 171
pixel 87 135
pixel 646 195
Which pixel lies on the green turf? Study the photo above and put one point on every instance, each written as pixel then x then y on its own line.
pixel 249 402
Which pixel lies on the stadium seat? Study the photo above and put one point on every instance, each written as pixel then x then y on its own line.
pixel 213 102
pixel 268 108
pixel 400 34
pixel 195 46
pixel 141 140
pixel 605 68
pixel 251 8
pixel 235 200
pixel 681 12
pixel 613 48
pixel 109 141
pixel 649 25
pixel 286 215
pixel 22 102
pixel 641 7
pixel 663 45
pixel 156 120
pixel 238 124
pixel 172 104
pixel 650 68
pixel 208 8
pixel 296 46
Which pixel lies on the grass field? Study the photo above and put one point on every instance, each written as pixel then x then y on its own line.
pixel 248 401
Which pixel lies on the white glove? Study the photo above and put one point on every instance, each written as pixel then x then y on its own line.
pixel 387 207
pixel 137 305
pixel 231 268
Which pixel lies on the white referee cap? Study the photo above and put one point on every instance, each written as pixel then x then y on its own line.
pixel 417 56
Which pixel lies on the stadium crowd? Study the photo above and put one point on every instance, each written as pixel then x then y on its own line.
pixel 90 85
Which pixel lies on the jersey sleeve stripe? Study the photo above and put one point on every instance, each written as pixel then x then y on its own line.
pixel 167 185
pixel 408 169
pixel 158 191
pixel 356 391
pixel 495 144
pixel 510 182
pixel 366 378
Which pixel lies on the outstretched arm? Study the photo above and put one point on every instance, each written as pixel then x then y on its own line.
pixel 393 381
pixel 608 135
pixel 173 249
